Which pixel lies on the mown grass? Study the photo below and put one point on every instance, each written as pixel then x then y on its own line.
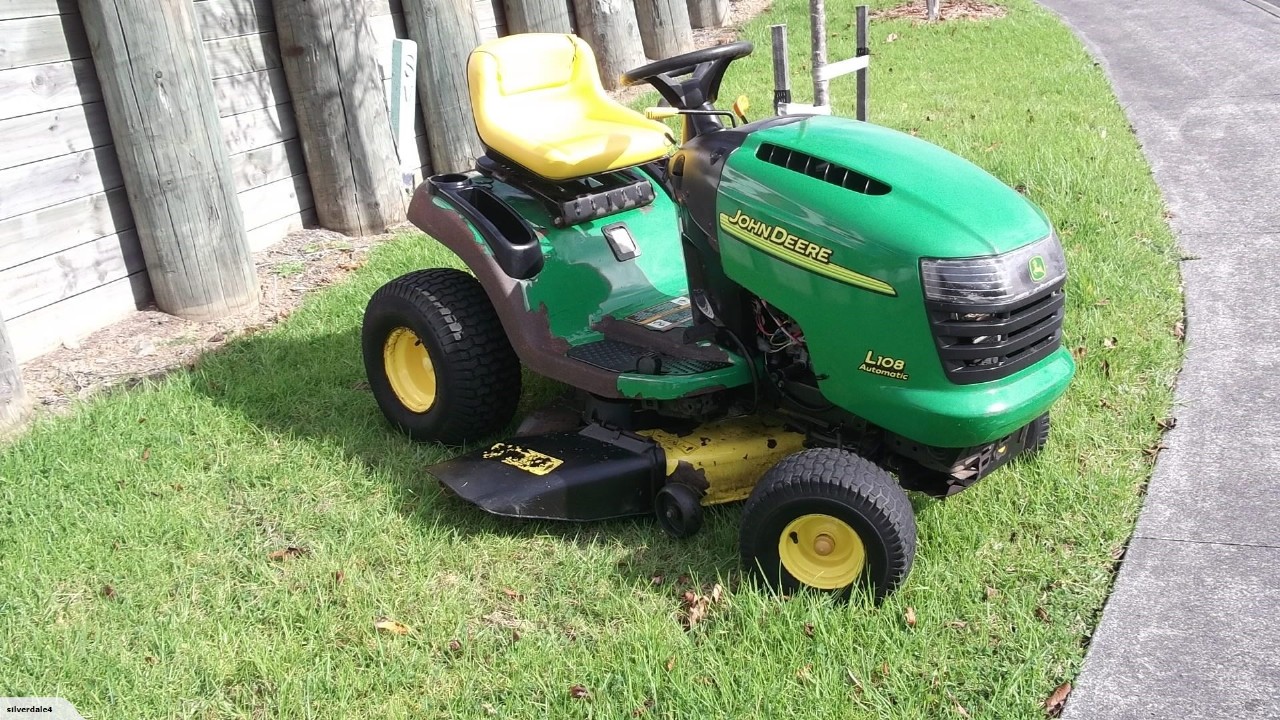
pixel 135 532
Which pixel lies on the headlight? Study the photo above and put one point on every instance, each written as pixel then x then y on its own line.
pixel 997 279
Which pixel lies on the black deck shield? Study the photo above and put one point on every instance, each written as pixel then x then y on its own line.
pixel 593 474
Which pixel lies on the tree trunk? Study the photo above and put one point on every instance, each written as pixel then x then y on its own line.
pixel 708 13
pixel 664 27
pixel 164 121
pixel 446 33
pixel 527 16
pixel 611 29
pixel 931 9
pixel 13 401
pixel 326 48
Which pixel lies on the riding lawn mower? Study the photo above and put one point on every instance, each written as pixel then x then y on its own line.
pixel 805 312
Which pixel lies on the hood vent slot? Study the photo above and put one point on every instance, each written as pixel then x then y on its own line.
pixel 824 170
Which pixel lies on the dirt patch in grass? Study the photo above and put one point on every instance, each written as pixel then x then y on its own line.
pixel 150 343
pixel 955 10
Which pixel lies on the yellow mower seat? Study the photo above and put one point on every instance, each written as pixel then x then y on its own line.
pixel 537 100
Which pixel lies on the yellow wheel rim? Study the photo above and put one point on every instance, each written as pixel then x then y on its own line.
pixel 409 368
pixel 822 551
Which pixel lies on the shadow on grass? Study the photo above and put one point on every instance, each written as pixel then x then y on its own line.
pixel 311 385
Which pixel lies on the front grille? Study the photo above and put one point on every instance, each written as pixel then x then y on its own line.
pixel 979 343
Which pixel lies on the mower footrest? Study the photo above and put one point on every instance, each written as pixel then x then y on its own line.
pixel 623 357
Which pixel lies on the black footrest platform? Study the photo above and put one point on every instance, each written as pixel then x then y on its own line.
pixel 573 201
pixel 622 357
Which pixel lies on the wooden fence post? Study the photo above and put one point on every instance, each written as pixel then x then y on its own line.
pixel 13 402
pixel 327 49
pixel 160 105
pixel 526 16
pixel 664 28
pixel 446 33
pixel 611 29
pixel 708 13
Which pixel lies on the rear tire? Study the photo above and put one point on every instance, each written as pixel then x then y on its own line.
pixel 829 520
pixel 438 362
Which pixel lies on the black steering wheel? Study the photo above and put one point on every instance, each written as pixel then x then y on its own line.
pixel 705 69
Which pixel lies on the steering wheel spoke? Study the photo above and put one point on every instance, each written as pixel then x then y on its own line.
pixel 705 70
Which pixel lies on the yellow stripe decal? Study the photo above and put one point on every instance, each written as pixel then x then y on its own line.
pixel 826 269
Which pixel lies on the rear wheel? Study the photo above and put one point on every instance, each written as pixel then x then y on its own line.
pixel 437 360
pixel 829 520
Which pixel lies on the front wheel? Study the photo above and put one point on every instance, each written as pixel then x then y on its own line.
pixel 437 360
pixel 829 520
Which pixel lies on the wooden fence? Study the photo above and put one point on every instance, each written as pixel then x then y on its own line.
pixel 75 242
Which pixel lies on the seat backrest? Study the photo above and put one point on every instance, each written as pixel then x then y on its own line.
pixel 509 72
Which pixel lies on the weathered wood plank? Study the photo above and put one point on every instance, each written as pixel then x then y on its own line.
pixel 611 29
pixel 250 91
pixel 528 16
pixel 270 202
pixel 257 128
pixel 261 238
pixel 37 185
pixel 164 120
pixel 31 41
pixel 45 232
pixel 39 283
pixel 39 136
pixel 75 318
pixel 495 8
pixel 708 13
pixel 446 30
pixel 13 9
pixel 242 54
pixel 228 18
pixel 341 113
pixel 13 399
pixel 267 164
pixel 664 28
pixel 26 90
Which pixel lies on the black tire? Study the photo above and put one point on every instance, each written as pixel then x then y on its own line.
pixel 679 510
pixel 829 483
pixel 1038 434
pixel 474 372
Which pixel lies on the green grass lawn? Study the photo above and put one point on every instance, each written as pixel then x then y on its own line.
pixel 135 533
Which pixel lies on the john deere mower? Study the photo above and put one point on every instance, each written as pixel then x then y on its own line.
pixel 806 312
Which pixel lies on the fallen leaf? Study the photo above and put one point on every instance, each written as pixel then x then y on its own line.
pixel 1043 615
pixel 808 629
pixel 1079 351
pixel 218 337
pixel 717 593
pixel 956 624
pixel 1105 367
pixel 959 708
pixel 391 626
pixel 579 692
pixel 992 593
pixel 803 673
pixel 671 663
pixel 455 646
pixel 150 660
pixel 1109 343
pixel 142 420
pixel 146 454
pixel 656 580
pixel 911 617
pixel 648 703
pixel 108 592
pixel 891 37
pixel 1179 330
pixel 339 577
pixel 1153 451
pixel 1167 424
pixel 287 553
pixel 1117 552
pixel 1103 402
pixel 512 594
pixel 515 636
pixel 488 709
pixel 1102 303
pixel 1053 705
pixel 682 580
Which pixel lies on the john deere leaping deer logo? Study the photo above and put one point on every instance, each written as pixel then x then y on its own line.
pixel 1037 268
pixel 530 461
